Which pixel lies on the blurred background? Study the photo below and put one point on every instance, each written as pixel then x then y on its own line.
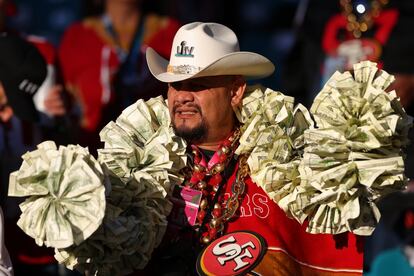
pixel 302 37
pixel 265 26
pixel 307 40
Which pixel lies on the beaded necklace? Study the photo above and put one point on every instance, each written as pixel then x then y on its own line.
pixel 209 178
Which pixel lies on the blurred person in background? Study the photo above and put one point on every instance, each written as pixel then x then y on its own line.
pixel 23 73
pixel 6 267
pixel 51 99
pixel 398 212
pixel 333 35
pixel 57 119
pixel 103 64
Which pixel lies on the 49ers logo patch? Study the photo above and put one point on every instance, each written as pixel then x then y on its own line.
pixel 235 253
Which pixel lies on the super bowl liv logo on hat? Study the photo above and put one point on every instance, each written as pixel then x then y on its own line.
pixel 184 51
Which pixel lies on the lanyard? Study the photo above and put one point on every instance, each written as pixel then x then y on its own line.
pixel 129 73
pixel 134 49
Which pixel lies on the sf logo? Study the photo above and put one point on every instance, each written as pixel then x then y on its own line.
pixel 228 250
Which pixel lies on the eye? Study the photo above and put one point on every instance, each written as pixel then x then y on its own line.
pixel 175 85
pixel 198 87
pixel 191 86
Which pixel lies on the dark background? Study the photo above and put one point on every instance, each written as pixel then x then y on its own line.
pixel 263 26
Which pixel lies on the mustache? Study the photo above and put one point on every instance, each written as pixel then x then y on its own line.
pixel 190 105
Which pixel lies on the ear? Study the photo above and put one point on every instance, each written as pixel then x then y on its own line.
pixel 239 86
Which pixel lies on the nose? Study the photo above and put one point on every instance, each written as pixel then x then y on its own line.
pixel 181 94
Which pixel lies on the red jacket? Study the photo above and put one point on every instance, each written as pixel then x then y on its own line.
pixel 291 250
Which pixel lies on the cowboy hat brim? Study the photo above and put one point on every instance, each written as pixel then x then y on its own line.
pixel 248 64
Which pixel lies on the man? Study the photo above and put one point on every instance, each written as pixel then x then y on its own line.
pixel 206 77
pixel 102 62
pixel 23 71
pixel 398 220
pixel 15 103
pixel 6 268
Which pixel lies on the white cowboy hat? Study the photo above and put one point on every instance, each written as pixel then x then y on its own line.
pixel 206 49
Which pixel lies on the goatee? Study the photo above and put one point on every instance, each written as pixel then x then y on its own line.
pixel 194 134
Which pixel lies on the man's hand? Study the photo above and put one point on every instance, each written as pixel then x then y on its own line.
pixel 54 103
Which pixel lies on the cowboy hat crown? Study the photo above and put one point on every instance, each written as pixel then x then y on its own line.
pixel 206 49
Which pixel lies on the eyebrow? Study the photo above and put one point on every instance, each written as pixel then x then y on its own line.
pixel 210 82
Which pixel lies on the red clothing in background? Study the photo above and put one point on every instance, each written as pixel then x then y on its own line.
pixel 90 61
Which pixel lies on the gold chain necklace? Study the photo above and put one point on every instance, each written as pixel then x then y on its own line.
pixel 358 25
pixel 214 211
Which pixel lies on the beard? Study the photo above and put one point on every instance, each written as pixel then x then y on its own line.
pixel 193 134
